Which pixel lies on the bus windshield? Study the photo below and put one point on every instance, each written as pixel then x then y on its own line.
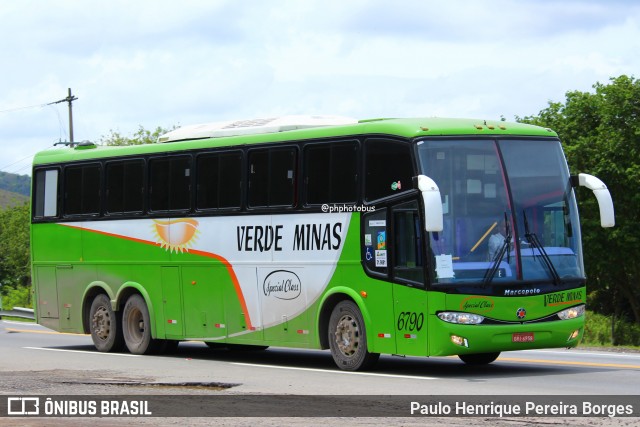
pixel 509 212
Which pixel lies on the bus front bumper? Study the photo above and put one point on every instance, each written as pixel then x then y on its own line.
pixel 453 339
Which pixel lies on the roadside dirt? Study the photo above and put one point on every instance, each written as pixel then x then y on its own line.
pixel 83 383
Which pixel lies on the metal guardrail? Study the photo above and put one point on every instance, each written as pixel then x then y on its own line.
pixel 24 313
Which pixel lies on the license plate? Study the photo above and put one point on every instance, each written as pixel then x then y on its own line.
pixel 522 337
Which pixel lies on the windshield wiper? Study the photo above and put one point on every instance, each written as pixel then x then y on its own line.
pixel 495 262
pixel 533 240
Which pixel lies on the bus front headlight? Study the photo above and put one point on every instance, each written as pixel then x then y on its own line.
pixel 460 318
pixel 572 313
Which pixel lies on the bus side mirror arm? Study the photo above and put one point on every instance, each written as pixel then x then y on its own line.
pixel 600 190
pixel 433 220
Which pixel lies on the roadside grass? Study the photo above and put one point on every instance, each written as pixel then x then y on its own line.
pixel 601 331
pixel 18 319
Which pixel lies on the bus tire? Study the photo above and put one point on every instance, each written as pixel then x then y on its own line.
pixel 479 358
pixel 136 326
pixel 348 338
pixel 105 325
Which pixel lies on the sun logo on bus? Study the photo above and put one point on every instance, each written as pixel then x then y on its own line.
pixel 176 235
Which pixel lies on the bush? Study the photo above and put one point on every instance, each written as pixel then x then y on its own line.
pixel 597 331
pixel 18 297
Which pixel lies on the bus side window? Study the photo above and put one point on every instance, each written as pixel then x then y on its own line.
pixel 82 190
pixel 46 194
pixel 219 180
pixel 331 173
pixel 125 186
pixel 169 181
pixel 388 168
pixel 272 177
pixel 375 242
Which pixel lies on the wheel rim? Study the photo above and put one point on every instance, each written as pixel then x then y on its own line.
pixel 135 325
pixel 348 335
pixel 101 323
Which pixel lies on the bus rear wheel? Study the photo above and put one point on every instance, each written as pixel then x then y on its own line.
pixel 137 326
pixel 479 358
pixel 348 338
pixel 106 325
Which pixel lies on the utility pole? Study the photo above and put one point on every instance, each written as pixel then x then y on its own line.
pixel 70 98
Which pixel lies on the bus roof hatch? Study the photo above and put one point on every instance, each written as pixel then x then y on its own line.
pixel 253 126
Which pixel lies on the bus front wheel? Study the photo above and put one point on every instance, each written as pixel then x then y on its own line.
pixel 479 358
pixel 348 338
pixel 106 325
pixel 137 326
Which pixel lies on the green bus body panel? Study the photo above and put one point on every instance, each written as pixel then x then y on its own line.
pixel 217 285
pixel 192 296
pixel 410 315
pixel 490 338
pixel 406 128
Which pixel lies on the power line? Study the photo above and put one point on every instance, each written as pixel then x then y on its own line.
pixel 70 98
pixel 6 167
pixel 22 169
pixel 10 110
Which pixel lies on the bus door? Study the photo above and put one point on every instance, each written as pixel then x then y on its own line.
pixel 172 302
pixel 407 264
pixel 283 299
pixel 203 296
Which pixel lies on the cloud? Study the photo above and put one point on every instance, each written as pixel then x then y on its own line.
pixel 162 63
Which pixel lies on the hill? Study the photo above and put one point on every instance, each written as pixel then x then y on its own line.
pixel 20 184
pixel 8 198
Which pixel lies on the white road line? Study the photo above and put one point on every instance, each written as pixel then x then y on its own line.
pixel 580 352
pixel 15 322
pixel 83 351
pixel 370 374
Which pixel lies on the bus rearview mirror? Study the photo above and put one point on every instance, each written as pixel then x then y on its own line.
pixel 600 190
pixel 432 203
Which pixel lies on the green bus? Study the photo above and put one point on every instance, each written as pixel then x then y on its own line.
pixel 422 237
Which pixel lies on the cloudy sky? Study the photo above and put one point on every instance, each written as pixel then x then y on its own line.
pixel 164 62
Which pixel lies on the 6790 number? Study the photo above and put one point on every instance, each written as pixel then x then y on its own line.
pixel 410 321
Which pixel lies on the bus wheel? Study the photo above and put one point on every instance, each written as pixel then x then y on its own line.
pixel 479 358
pixel 106 326
pixel 137 326
pixel 348 338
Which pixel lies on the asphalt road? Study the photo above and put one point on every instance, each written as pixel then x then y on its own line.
pixel 37 361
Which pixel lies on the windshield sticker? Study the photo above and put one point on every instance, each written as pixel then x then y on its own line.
pixel 367 240
pixel 381 258
pixel 444 266
pixel 396 186
pixel 490 191
pixel 382 240
pixel 377 223
pixel 368 253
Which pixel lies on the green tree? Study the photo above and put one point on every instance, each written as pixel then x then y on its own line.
pixel 141 136
pixel 15 267
pixel 601 136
